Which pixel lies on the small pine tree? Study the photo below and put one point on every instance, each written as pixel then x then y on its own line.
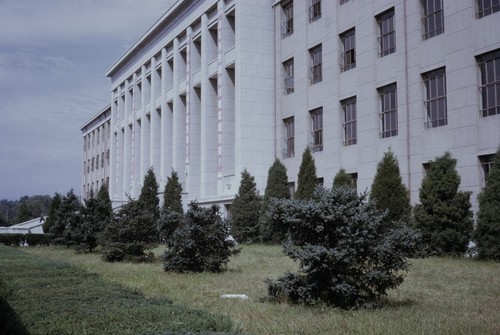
pixel 277 187
pixel 149 194
pixel 53 213
pixel 307 179
pixel 443 215
pixel 66 228
pixel 245 209
pixel 388 190
pixel 172 197
pixel 487 233
pixel 200 243
pixel 104 208
pixel 345 258
pixel 342 178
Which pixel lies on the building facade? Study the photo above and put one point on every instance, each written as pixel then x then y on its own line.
pixel 96 134
pixel 355 78
pixel 218 86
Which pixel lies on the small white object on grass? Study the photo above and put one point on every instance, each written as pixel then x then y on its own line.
pixel 234 296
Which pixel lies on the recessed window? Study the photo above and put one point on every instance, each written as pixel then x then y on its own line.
pixel 487 7
pixel 435 99
pixel 316 141
pixel 486 162
pixel 316 64
pixel 288 76
pixel 387 33
pixel 287 18
pixel 349 118
pixel 432 18
pixel 489 66
pixel 388 110
pixel 314 10
pixel 289 145
pixel 343 1
pixel 348 56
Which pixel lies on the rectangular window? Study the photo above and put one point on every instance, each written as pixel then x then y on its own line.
pixel 486 162
pixel 354 178
pixel 387 33
pixel 487 7
pixel 435 99
pixel 320 182
pixel 316 142
pixel 349 117
pixel 291 188
pixel 388 110
pixel 288 76
pixel 102 160
pixel 343 1
pixel 316 63
pixel 287 18
pixel 432 18
pixel 348 57
pixel 97 163
pixel 314 10
pixel 289 145
pixel 489 66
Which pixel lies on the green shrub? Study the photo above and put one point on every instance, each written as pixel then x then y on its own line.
pixel 200 243
pixel 346 256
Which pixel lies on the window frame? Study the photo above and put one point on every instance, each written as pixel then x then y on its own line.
pixel 349 119
pixel 289 138
pixel 482 11
pixel 286 18
pixel 348 47
pixel 430 16
pixel 314 10
pixel 288 76
pixel 316 118
pixel 387 32
pixel 388 100
pixel 489 84
pixel 316 68
pixel 435 98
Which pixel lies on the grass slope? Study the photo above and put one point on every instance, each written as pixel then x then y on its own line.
pixel 43 296
pixel 439 295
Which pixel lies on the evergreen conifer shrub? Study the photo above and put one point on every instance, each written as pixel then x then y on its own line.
pixel 342 178
pixel 487 233
pixel 346 256
pixel 307 179
pixel 443 216
pixel 200 243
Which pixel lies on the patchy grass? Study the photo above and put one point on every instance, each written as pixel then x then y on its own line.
pixel 43 296
pixel 439 295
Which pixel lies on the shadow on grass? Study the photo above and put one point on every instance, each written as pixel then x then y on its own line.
pixel 10 323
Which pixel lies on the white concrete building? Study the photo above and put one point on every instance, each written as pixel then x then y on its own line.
pixel 34 226
pixel 96 134
pixel 195 95
pixel 217 86
pixel 355 78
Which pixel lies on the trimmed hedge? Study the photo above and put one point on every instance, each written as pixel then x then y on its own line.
pixel 31 239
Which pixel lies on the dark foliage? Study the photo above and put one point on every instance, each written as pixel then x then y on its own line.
pixel 443 215
pixel 53 213
pixel 388 190
pixel 245 209
pixel 307 179
pixel 277 187
pixel 172 196
pixel 26 208
pixel 200 243
pixel 487 233
pixel 342 178
pixel 31 239
pixel 148 198
pixel 66 226
pixel 347 257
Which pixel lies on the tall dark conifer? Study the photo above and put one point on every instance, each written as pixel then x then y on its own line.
pixel 307 179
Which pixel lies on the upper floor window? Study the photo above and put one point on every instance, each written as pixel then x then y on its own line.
pixel 489 66
pixel 487 7
pixel 314 10
pixel 343 1
pixel 432 18
pixel 316 141
pixel 387 33
pixel 349 124
pixel 486 162
pixel 388 110
pixel 435 98
pixel 288 76
pixel 287 18
pixel 316 62
pixel 289 145
pixel 348 50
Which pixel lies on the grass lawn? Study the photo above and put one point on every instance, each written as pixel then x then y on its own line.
pixel 439 295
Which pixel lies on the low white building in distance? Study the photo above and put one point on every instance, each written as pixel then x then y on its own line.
pixel 96 152
pixel 218 86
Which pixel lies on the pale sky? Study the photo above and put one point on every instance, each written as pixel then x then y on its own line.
pixel 53 59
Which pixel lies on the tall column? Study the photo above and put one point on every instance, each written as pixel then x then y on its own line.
pixel 127 140
pixel 145 125
pixel 155 118
pixel 208 147
pixel 166 121
pixel 179 116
